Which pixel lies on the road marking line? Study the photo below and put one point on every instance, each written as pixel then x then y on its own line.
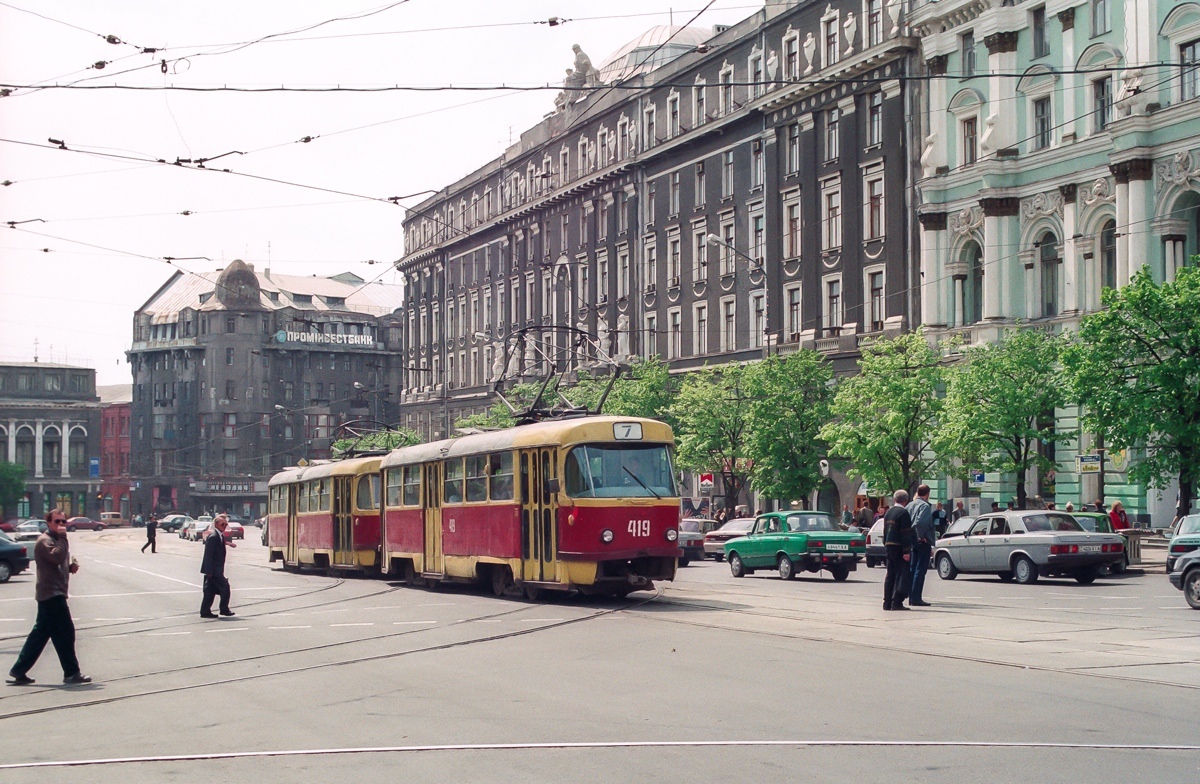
pixel 12 619
pixel 289 627
pixel 350 624
pixel 539 620
pixel 117 619
pixel 230 629
pixel 156 574
pixel 407 623
pixel 437 604
pixel 483 620
pixel 164 634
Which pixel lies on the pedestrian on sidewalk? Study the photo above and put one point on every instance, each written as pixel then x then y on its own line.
pixel 925 535
pixel 151 534
pixel 213 569
pixel 897 540
pixel 52 555
pixel 1118 518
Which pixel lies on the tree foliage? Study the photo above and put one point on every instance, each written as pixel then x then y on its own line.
pixel 12 485
pixel 645 390
pixel 712 432
pixel 1000 405
pixel 379 440
pixel 1135 369
pixel 884 418
pixel 787 400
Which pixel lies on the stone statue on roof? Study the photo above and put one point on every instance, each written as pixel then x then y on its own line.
pixel 584 74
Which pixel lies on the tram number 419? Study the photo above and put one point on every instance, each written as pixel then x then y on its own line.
pixel 639 527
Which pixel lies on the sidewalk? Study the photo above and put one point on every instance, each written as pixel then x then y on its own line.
pixel 1154 556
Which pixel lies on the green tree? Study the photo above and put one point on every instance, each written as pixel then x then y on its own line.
pixel 498 416
pixel 787 403
pixel 713 426
pixel 885 417
pixel 378 440
pixel 645 390
pixel 1000 406
pixel 1135 369
pixel 12 486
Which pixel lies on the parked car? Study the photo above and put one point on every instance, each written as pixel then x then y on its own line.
pixel 191 529
pixel 31 527
pixel 958 527
pixel 8 526
pixel 714 541
pixel 235 531
pixel 1100 523
pixel 691 538
pixel 113 519
pixel 876 552
pixel 1186 577
pixel 1023 545
pixel 172 523
pixel 14 557
pixel 1185 540
pixel 793 542
pixel 86 523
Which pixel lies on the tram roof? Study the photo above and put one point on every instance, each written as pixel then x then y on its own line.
pixel 353 466
pixel 549 433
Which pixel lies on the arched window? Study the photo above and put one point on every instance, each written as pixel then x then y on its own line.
pixel 973 290
pixel 1108 255
pixel 1048 253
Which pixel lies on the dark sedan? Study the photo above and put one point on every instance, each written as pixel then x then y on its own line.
pixel 14 558
pixel 84 523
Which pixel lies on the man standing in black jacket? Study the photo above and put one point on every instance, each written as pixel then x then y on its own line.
pixel 897 540
pixel 151 534
pixel 213 569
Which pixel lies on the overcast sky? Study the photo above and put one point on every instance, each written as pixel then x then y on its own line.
pixel 77 300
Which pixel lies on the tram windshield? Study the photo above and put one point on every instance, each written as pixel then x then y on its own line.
pixel 620 471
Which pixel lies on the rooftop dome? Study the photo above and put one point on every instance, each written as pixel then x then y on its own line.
pixel 237 287
pixel 639 55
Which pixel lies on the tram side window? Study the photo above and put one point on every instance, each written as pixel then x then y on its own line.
pixel 302 503
pixel 477 478
pixel 412 485
pixel 393 488
pixel 368 492
pixel 453 489
pixel 500 476
pixel 323 494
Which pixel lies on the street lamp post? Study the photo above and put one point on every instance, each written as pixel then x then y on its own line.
pixel 713 239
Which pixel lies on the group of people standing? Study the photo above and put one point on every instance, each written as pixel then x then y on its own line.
pixel 909 532
pixel 54 567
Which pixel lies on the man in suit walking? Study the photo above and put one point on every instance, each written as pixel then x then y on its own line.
pixel 213 569
pixel 151 534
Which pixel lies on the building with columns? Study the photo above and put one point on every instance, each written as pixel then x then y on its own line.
pixel 1061 154
pixel 50 424
pixel 743 190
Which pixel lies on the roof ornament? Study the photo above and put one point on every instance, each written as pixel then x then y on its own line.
pixel 583 75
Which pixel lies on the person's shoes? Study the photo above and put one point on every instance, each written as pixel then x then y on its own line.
pixel 228 613
pixel 900 607
pixel 887 607
pixel 208 615
pixel 19 680
pixel 919 603
pixel 77 679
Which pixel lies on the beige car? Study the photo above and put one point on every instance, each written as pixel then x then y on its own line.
pixel 112 519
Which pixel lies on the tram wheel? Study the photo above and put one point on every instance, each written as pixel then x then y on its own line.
pixel 410 575
pixel 500 580
pixel 532 592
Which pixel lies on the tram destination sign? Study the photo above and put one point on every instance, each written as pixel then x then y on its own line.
pixel 323 338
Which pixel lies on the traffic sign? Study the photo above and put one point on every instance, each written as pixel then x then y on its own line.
pixel 1087 464
pixel 978 480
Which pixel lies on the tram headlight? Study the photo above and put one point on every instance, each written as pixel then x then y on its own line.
pixel 606 535
pixel 672 534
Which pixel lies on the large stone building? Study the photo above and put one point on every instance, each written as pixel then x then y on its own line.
pixel 50 424
pixel 238 373
pixel 115 463
pixel 704 197
pixel 1061 155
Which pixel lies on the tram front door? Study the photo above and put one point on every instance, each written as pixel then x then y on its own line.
pixel 431 499
pixel 343 521
pixel 539 513
pixel 292 555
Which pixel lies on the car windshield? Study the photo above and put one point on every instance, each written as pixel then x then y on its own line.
pixel 959 526
pixel 1050 522
pixel 1189 525
pixel 800 523
pixel 620 471
pixel 692 526
pixel 740 525
pixel 1094 523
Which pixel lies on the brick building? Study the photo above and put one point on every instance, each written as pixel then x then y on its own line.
pixel 115 478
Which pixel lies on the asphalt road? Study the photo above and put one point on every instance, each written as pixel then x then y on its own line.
pixel 711 679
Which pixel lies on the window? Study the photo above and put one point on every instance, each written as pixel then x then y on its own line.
pixel 1042 123
pixel 727 174
pixel 623 274
pixel 874 22
pixel 831 134
pixel 1189 74
pixel 970 141
pixel 477 477
pixel 874 207
pixel 52 383
pixel 700 338
pixel 264 426
pixel 728 237
pixel 623 139
pixel 1041 41
pixel 831 41
pixel 651 203
pixel 228 356
pixel 673 115
pixel 650 272
pixel 792 297
pixel 791 56
pixel 700 255
pixel 230 460
pixel 700 110
pixel 649 118
pixel 968 54
pixel 758 330
pixel 793 148
pixel 1108 255
pixel 231 323
pixel 230 390
pixel 757 87
pixel 833 306
pixel 602 277
pixel 758 237
pixel 673 259
pixel 791 229
pixel 675 336
pixel 757 167
pixel 1102 102
pixel 673 193
pixel 1048 251
pixel 700 184
pixel 725 91
pixel 728 324
pixel 563 232
pixel 875 119
pixel 622 212
pixel 877 312
pixel 230 425
pixel 831 219
pixel 452 485
pixel 500 476
pixel 1100 20
pixel 650 344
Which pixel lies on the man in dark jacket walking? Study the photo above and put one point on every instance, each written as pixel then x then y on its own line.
pixel 213 569
pixel 897 540
pixel 54 569
pixel 151 533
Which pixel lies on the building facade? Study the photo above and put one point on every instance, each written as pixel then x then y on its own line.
pixel 1061 154
pixel 238 373
pixel 50 424
pixel 742 192
pixel 115 477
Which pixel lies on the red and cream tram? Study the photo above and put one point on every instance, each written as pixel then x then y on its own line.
pixel 326 515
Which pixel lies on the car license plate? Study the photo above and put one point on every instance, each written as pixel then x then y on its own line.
pixel 1089 548
pixel 837 547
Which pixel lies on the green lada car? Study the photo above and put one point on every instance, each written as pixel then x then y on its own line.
pixel 792 542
